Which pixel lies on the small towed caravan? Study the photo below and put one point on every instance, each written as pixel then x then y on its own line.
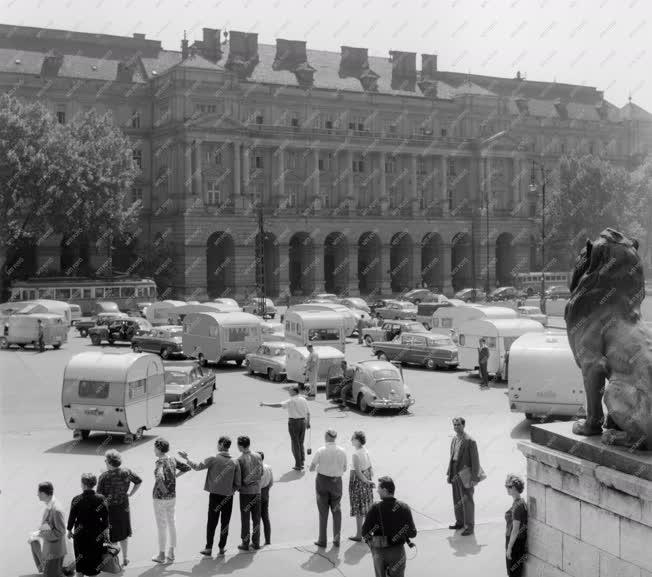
pixel 158 313
pixel 113 392
pixel 297 357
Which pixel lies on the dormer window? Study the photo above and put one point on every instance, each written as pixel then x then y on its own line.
pixel 259 119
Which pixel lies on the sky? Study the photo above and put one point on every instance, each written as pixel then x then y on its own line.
pixel 601 43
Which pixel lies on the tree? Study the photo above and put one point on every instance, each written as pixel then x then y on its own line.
pixel 589 196
pixel 637 221
pixel 154 260
pixel 60 179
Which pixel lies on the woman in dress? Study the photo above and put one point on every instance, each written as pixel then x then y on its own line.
pixel 114 484
pixel 361 495
pixel 516 536
pixel 88 527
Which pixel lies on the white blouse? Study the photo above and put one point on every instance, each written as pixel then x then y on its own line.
pixel 363 457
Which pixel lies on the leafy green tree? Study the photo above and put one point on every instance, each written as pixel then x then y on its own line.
pixel 637 221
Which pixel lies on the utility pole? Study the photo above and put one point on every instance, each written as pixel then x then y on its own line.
pixel 260 264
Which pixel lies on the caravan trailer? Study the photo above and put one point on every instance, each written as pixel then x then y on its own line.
pixel 320 328
pixel 447 319
pixel 113 392
pixel 499 334
pixel 22 329
pixel 158 313
pixel 177 314
pixel 218 337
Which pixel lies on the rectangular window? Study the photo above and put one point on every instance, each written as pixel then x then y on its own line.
pixel 292 196
pixel 259 119
pixel 421 166
pixel 259 162
pixel 137 194
pixel 444 132
pixel 213 193
pixel 99 293
pixel 323 335
pixel 292 160
pixel 320 162
pixel 135 119
pixel 446 323
pixel 93 389
pixel 61 116
pixel 328 124
pixel 238 334
pixel 390 164
pixel 45 293
pixel 62 294
pixel 137 157
pixel 294 122
pixel 137 389
pixel 452 171
pixel 127 292
pixel 109 292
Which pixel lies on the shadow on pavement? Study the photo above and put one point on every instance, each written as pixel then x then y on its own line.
pixel 203 568
pixel 354 554
pixel 522 430
pixel 288 476
pixel 97 443
pixel 320 562
pixel 464 546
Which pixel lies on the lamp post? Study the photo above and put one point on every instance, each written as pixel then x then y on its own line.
pixel 485 198
pixel 260 264
pixel 533 188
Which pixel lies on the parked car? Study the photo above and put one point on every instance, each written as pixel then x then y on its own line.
pixel 558 292
pixel 326 297
pixel 379 385
pixel 119 330
pixel 533 313
pixel 164 341
pixel 380 303
pixel 471 295
pixel 431 351
pixel 253 307
pixel 398 310
pixel 426 310
pixel 505 293
pixel 269 359
pixel 422 295
pixel 83 325
pixel 356 303
pixel 187 385
pixel 390 330
pixel 230 304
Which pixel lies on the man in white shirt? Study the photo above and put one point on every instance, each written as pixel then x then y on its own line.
pixel 312 369
pixel 298 422
pixel 330 463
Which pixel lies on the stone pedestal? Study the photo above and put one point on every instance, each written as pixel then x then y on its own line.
pixel 590 506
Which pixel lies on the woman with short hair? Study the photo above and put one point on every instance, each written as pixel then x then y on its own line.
pixel 88 527
pixel 516 519
pixel 114 484
pixel 361 495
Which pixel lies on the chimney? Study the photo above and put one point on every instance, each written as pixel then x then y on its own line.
pixel 184 47
pixel 354 63
pixel 291 55
pixel 428 82
pixel 51 64
pixel 603 110
pixel 126 69
pixel 138 36
pixel 243 53
pixel 404 70
pixel 211 48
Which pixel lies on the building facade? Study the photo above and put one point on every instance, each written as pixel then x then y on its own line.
pixel 365 174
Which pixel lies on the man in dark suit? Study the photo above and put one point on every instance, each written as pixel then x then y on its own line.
pixel 464 473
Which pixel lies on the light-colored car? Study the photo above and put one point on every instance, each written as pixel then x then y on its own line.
pixel 534 313
pixel 379 385
pixel 164 341
pixel 558 292
pixel 228 304
pixel 254 307
pixel 119 330
pixel 390 330
pixel 326 297
pixel 356 303
pixel 430 351
pixel 187 385
pixel 403 310
pixel 269 359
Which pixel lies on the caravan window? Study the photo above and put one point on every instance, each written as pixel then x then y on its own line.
pixel 93 389
pixel 137 389
pixel 446 323
pixel 435 323
pixel 323 335
pixel 212 331
pixel 491 342
pixel 238 334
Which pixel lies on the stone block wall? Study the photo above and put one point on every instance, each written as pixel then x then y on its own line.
pixel 585 520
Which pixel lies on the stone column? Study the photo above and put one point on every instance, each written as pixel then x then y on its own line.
pixel 443 169
pixel 196 172
pixel 246 170
pixel 280 175
pixel 353 281
pixel 284 270
pixel 382 181
pixel 385 265
pixel 315 172
pixel 237 178
pixel 414 200
pixel 415 273
pixel 447 277
pixel 317 266
pixel 187 173
pixel 516 184
pixel 488 186
pixel 350 187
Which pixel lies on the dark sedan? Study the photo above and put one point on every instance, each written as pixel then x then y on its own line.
pixel 164 341
pixel 120 330
pixel 430 351
pixel 505 293
pixel 187 385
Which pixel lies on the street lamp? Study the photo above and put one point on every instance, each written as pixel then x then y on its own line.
pixel 260 264
pixel 533 188
pixel 485 198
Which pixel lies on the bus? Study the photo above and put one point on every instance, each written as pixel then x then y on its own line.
pixel 530 282
pixel 126 292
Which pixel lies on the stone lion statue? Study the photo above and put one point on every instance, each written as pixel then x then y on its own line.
pixel 610 342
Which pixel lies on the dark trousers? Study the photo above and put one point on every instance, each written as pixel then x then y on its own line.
pixel 484 375
pixel 463 504
pixel 250 510
pixel 49 567
pixel 329 495
pixel 218 505
pixel 517 562
pixel 264 513
pixel 389 561
pixel 297 429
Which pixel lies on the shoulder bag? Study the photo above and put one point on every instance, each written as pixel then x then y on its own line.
pixel 380 541
pixel 110 560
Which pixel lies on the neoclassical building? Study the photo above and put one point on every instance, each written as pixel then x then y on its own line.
pixel 366 174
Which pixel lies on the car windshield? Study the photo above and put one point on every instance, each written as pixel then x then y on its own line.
pixel 176 378
pixel 415 328
pixel 440 342
pixel 278 352
pixel 172 332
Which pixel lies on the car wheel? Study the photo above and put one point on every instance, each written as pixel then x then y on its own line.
pixel 83 333
pixel 95 340
pixel 382 356
pixel 56 346
pixel 368 340
pixel 209 401
pixel 529 416
pixel 139 434
pixel 239 362
pixel 431 364
pixel 452 367
pixel 111 341
pixel 85 433
pixel 165 353
pixel 136 348
pixel 4 343
pixel 202 360
pixel 193 409
pixel 272 375
pixel 362 403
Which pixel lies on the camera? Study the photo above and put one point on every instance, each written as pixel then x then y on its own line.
pixel 410 544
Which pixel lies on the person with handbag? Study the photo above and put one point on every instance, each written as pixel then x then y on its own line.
pixel 48 543
pixel 387 528
pixel 88 526
pixel 464 473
